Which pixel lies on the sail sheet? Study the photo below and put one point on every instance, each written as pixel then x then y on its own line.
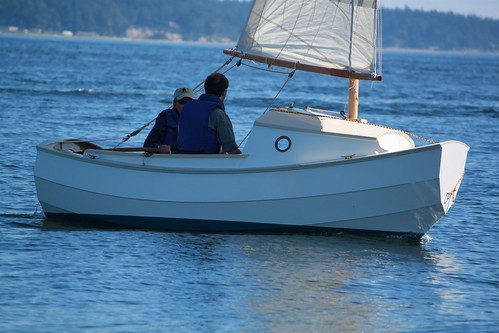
pixel 336 37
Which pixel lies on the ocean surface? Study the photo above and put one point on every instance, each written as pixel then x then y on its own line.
pixel 58 277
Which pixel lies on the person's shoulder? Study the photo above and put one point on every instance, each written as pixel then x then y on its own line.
pixel 218 109
pixel 165 113
pixel 162 114
pixel 218 113
pixel 161 119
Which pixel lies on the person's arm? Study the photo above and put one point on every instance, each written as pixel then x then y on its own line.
pixel 221 124
pixel 154 140
pixel 235 151
pixel 156 137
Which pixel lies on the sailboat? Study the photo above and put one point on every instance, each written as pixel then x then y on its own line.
pixel 301 169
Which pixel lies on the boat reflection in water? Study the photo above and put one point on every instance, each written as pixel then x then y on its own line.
pixel 329 283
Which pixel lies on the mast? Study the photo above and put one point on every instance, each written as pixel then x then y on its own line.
pixel 353 84
pixel 353 99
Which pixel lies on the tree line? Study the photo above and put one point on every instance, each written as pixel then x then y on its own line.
pixel 215 20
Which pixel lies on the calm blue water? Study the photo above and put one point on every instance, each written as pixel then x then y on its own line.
pixel 61 278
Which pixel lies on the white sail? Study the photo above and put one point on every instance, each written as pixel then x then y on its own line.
pixel 336 37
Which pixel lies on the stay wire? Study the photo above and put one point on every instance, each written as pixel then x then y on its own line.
pixel 266 69
pixel 290 33
pixel 290 75
pixel 237 64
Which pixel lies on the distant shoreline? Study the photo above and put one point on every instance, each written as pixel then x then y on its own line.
pixel 111 38
pixel 432 51
pixel 184 42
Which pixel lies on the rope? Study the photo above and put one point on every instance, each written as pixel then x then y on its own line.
pixel 198 87
pixel 290 33
pixel 272 102
pixel 266 69
pixel 452 193
pixel 382 126
pixel 137 131
pixel 308 108
pixel 80 141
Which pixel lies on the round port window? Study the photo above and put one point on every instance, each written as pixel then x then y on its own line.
pixel 282 144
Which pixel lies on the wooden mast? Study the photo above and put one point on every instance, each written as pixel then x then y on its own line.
pixel 353 99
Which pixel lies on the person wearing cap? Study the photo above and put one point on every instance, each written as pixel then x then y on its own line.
pixel 204 127
pixel 164 133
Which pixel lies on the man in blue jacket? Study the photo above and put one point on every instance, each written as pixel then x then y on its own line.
pixel 204 127
pixel 164 133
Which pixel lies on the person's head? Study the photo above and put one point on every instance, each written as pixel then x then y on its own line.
pixel 182 96
pixel 216 84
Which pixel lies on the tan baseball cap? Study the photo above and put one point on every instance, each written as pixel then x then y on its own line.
pixel 183 93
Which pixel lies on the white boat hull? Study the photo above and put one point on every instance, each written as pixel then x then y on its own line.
pixel 404 192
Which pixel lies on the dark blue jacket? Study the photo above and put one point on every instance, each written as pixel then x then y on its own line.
pixel 165 130
pixel 194 135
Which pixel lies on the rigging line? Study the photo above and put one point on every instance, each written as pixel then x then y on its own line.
pixel 137 131
pixel 266 69
pixel 198 88
pixel 379 40
pixel 291 33
pixel 81 141
pixel 309 108
pixel 318 25
pixel 280 90
pixel 454 190
pixel 272 102
pixel 237 64
pixel 351 34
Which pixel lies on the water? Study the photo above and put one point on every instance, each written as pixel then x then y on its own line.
pixel 56 277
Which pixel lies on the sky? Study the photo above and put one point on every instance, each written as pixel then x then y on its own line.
pixel 481 8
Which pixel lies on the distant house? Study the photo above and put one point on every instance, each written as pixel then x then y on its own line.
pixel 87 34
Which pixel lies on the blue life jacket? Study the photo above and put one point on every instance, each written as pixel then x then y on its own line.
pixel 164 131
pixel 194 135
pixel 172 120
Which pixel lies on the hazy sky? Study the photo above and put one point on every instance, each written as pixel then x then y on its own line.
pixel 482 8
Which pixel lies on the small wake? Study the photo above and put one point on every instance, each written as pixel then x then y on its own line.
pixel 24 216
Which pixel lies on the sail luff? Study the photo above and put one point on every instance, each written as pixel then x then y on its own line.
pixel 377 57
pixel 336 35
pixel 352 9
pixel 252 23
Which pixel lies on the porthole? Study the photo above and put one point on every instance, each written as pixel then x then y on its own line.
pixel 282 144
